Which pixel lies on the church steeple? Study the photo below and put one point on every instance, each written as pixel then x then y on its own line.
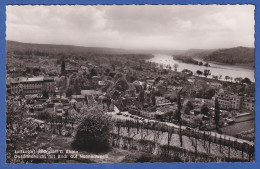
pixel 63 68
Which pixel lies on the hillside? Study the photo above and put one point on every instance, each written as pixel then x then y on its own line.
pixel 13 46
pixel 198 53
pixel 233 56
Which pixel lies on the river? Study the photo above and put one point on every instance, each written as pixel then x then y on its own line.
pixel 215 69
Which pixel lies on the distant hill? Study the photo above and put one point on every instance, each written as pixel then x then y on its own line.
pixel 232 56
pixel 53 48
pixel 13 46
pixel 197 53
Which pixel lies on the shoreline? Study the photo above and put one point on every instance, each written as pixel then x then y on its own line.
pixel 237 65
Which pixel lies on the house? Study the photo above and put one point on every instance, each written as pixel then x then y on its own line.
pixel 58 108
pixel 78 97
pixel 150 82
pixel 102 83
pixel 248 103
pixel 33 85
pixel 228 101
pixel 94 93
pixel 95 79
pixel 71 111
pixel 209 102
pixel 66 106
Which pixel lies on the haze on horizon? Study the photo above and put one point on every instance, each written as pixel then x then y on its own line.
pixel 158 27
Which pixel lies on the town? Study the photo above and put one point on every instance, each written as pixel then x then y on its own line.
pixel 52 96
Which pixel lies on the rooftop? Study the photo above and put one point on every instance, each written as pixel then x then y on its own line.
pixel 90 92
pixel 31 79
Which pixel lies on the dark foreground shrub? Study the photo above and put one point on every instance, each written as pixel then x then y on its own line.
pixel 46 116
pixel 93 133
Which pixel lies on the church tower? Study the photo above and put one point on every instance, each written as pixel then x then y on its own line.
pixel 62 72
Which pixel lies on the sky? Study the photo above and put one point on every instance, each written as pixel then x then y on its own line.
pixel 160 27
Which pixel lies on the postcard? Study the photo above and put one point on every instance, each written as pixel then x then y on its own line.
pixel 130 84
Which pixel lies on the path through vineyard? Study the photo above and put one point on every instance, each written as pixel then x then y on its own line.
pixel 193 143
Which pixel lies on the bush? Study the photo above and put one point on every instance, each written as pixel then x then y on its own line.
pixel 93 133
pixel 46 116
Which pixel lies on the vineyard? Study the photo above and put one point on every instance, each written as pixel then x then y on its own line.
pixel 190 145
pixel 166 140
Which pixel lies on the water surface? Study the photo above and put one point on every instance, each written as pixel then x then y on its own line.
pixel 215 69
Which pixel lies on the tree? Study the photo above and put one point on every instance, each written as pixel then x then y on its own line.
pixel 204 109
pixel 215 77
pixel 175 67
pixel 187 110
pixel 145 85
pixel 209 93
pixel 69 92
pixel 107 71
pixel 46 116
pixel 28 70
pixel 220 76
pixel 189 105
pixel 77 88
pixel 61 82
pixel 178 110
pixel 93 72
pixel 178 115
pixel 45 93
pixel 199 72
pixel 153 98
pixel 246 80
pixel 113 67
pixel 206 72
pixel 238 79
pixel 169 115
pixel 93 133
pixel 216 118
pixel 197 120
pixel 141 96
pixel 227 77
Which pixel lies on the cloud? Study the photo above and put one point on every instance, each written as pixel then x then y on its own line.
pixel 133 26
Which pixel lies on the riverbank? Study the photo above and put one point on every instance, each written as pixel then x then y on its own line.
pixel 242 66
pixel 215 69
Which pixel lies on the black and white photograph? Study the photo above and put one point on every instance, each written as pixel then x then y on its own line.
pixel 130 83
